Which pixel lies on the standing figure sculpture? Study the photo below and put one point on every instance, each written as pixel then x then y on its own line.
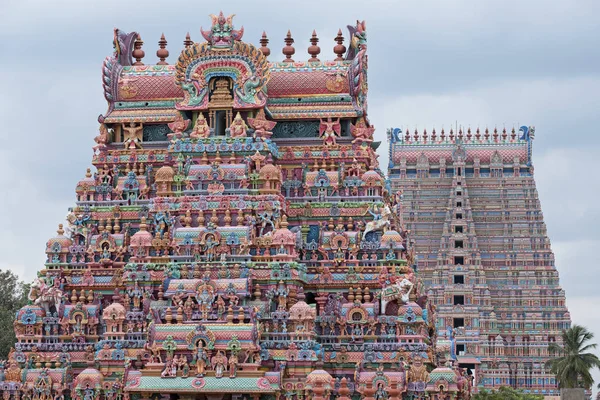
pixel 101 140
pixel 329 130
pixel 133 135
pixel 201 360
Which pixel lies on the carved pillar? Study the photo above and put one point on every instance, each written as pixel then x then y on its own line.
pixel 321 300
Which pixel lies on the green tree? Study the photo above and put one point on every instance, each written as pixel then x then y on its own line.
pixel 573 360
pixel 506 393
pixel 14 296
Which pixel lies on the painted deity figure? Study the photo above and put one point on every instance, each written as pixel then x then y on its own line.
pixel 220 307
pixel 262 126
pixel 238 127
pixel 381 219
pixel 101 140
pixel 233 364
pixel 219 364
pixel 201 128
pixel 266 219
pixel 329 130
pixel 361 132
pixel 381 393
pixel 133 135
pixel 177 127
pixel 201 360
pixel 44 295
pixel 405 286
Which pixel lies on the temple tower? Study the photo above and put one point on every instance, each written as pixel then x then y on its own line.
pixel 471 205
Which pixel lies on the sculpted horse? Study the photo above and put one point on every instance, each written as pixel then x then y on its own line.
pixel 381 220
pixel 45 296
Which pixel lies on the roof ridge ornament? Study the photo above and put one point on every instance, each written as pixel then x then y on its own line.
pixel 221 34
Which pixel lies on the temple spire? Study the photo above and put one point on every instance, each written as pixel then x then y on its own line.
pixel 288 50
pixel 264 41
pixel 162 53
pixel 313 49
pixel 339 49
pixel 138 53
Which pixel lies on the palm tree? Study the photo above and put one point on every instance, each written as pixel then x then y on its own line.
pixel 573 363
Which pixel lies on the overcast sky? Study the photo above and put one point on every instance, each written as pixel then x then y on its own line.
pixel 431 63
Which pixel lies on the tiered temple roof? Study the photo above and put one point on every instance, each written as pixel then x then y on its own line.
pixel 237 237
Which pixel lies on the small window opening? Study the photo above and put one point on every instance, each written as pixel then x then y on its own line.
pixel 458 322
pixel 458 229
pixel 459 279
pixel 458 215
pixel 459 260
pixel 459 300
pixel 461 349
pixel 458 244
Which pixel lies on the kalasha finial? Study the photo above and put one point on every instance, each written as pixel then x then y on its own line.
pixel 162 52
pixel 264 41
pixel 313 49
pixel 188 41
pixel 339 49
pixel 138 53
pixel 288 50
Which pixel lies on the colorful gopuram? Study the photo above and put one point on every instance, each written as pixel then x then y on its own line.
pixel 482 251
pixel 235 239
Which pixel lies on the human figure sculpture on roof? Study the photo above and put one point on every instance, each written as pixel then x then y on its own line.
pixel 102 139
pixel 329 130
pixel 361 132
pixel 44 295
pixel 201 128
pixel 177 127
pixel 381 219
pixel 238 127
pixel 219 364
pixel 201 359
pixel 133 135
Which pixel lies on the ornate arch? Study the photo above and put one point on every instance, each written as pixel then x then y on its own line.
pixel 244 64
pixel 200 333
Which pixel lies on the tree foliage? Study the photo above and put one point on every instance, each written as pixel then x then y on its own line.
pixel 13 297
pixel 573 360
pixel 506 393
